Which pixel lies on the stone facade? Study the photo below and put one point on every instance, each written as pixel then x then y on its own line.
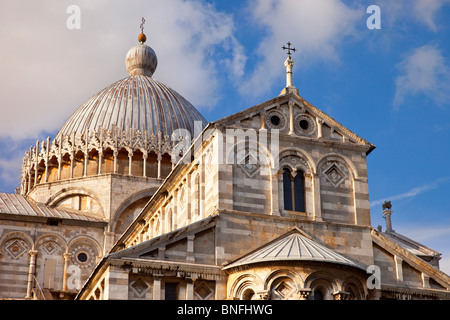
pixel 217 206
pixel 269 203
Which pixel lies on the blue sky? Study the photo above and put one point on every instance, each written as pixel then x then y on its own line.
pixel 390 85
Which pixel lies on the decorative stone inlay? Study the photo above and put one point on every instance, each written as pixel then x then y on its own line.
pixel 50 248
pixel 139 287
pixel 15 249
pixel 284 290
pixel 88 257
pixel 335 175
pixel 250 166
pixel 203 291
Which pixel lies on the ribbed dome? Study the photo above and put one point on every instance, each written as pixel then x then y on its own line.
pixel 138 102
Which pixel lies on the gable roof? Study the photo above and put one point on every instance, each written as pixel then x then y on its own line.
pixel 293 246
pixel 291 96
pixel 410 245
pixel 16 206
pixel 396 249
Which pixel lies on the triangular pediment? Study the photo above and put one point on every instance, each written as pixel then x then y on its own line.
pixel 294 245
pixel 293 115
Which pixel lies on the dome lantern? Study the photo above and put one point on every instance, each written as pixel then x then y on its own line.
pixel 141 59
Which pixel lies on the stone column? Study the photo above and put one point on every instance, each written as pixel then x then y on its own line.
pixel 387 215
pixel 130 162
pixel 274 190
pixel 316 196
pixel 157 286
pixel 159 165
pixel 72 162
pixel 319 128
pixel 398 268
pixel 175 210
pixel 189 289
pixel 67 257
pixel 59 166
pixel 144 164
pixel 31 271
pixel 291 116
pixel 190 249
pixel 100 158
pixel 425 280
pixel 85 164
pixel 116 153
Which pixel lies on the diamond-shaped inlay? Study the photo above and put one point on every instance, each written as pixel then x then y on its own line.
pixel 284 289
pixel 335 175
pixel 203 292
pixel 250 166
pixel 139 286
pixel 50 248
pixel 15 249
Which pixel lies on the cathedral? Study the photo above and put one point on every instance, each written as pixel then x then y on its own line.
pixel 138 197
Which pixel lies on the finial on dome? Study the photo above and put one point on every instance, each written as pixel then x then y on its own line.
pixel 141 37
pixel 141 59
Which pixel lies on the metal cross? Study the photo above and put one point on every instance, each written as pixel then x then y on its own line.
pixel 142 25
pixel 289 49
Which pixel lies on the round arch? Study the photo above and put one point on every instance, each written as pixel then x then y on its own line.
pixel 342 159
pixel 324 282
pixel 85 239
pixel 72 191
pixel 132 199
pixel 240 289
pixel 51 237
pixel 17 235
pixel 297 152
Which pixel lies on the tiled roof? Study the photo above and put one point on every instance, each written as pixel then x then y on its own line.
pixel 293 246
pixel 16 204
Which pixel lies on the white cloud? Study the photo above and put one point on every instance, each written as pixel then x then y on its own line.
pixel 425 11
pixel 423 71
pixel 395 13
pixel 49 70
pixel 316 29
pixel 413 192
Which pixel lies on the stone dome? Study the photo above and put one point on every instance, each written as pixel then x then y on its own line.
pixel 137 102
pixel 125 129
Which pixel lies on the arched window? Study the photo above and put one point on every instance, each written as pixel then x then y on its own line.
pixel 294 190
pixel 318 294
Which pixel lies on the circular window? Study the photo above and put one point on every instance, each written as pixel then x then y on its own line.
pixel 275 119
pixel 82 257
pixel 305 125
